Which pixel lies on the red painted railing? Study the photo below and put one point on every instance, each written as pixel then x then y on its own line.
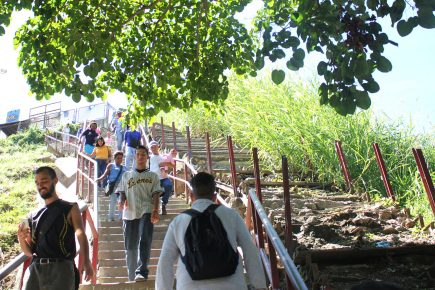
pixel 384 173
pixel 425 176
pixel 343 165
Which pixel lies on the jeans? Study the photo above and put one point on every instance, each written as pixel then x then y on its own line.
pixel 101 167
pixel 130 161
pixel 119 139
pixel 138 235
pixel 166 185
pixel 112 205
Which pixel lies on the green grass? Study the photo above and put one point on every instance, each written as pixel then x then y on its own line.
pixel 288 120
pixel 18 160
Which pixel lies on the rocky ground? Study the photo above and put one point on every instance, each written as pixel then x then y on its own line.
pixel 327 221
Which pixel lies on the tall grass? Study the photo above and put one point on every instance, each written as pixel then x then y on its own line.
pixel 19 155
pixel 288 120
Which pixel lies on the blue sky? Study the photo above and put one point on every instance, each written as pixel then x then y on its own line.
pixel 407 92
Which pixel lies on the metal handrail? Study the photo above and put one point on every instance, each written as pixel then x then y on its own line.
pixel 275 241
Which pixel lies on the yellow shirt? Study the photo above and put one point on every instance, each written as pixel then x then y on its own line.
pixel 101 152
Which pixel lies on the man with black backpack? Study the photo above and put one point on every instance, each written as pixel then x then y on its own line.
pixel 203 243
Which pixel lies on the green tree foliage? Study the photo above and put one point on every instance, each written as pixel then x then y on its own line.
pixel 170 53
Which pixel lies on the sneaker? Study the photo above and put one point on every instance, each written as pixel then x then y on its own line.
pixel 164 209
pixel 139 278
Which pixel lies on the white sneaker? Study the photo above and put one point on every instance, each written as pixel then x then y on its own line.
pixel 139 278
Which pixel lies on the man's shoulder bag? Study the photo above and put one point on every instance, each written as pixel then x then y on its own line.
pixel 110 187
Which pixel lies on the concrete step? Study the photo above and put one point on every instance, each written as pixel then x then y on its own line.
pixel 121 271
pixel 120 254
pixel 123 280
pixel 119 245
pixel 117 229
pixel 147 285
pixel 158 235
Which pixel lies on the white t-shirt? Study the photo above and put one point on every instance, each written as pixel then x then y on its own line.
pixel 139 188
pixel 238 236
pixel 155 161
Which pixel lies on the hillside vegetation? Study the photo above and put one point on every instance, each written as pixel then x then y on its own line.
pixel 20 155
pixel 288 120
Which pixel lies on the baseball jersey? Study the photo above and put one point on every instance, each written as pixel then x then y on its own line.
pixel 139 188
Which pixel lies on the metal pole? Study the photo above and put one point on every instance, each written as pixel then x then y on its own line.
pixel 384 172
pixel 174 136
pixel 153 131
pixel 232 166
pixel 189 143
pixel 425 176
pixel 287 205
pixel 163 143
pixel 343 165
pixel 208 150
pixel 260 198
pixel 185 184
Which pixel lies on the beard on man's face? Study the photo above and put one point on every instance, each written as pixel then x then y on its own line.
pixel 49 192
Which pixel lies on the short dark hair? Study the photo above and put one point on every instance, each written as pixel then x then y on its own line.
pixel 143 147
pixel 376 285
pixel 203 185
pixel 118 153
pixel 98 139
pixel 47 169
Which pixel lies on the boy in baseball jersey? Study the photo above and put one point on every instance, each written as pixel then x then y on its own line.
pixel 140 191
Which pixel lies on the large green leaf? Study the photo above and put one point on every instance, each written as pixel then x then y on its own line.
pixel 278 76
pixel 383 64
pixel 404 27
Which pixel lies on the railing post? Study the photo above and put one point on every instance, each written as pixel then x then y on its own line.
pixel 153 131
pixel 83 177
pixel 174 172
pixel 90 185
pixel 287 206
pixel 425 176
pixel 174 136
pixel 26 265
pixel 185 185
pixel 232 166
pixel 256 216
pixel 273 264
pixel 80 265
pixel 343 165
pixel 208 150
pixel 163 143
pixel 95 238
pixel 384 173
pixel 189 143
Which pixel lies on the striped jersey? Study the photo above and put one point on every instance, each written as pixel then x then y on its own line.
pixel 139 188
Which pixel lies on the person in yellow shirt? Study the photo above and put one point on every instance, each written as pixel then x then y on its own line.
pixel 102 156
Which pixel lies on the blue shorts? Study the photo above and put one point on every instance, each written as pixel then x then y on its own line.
pixel 89 149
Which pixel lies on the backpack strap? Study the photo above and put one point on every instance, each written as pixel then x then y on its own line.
pixel 193 212
pixel 119 173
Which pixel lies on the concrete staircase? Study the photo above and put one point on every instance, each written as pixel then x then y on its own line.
pixel 112 270
pixel 219 152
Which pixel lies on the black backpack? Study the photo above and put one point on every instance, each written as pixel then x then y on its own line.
pixel 209 254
